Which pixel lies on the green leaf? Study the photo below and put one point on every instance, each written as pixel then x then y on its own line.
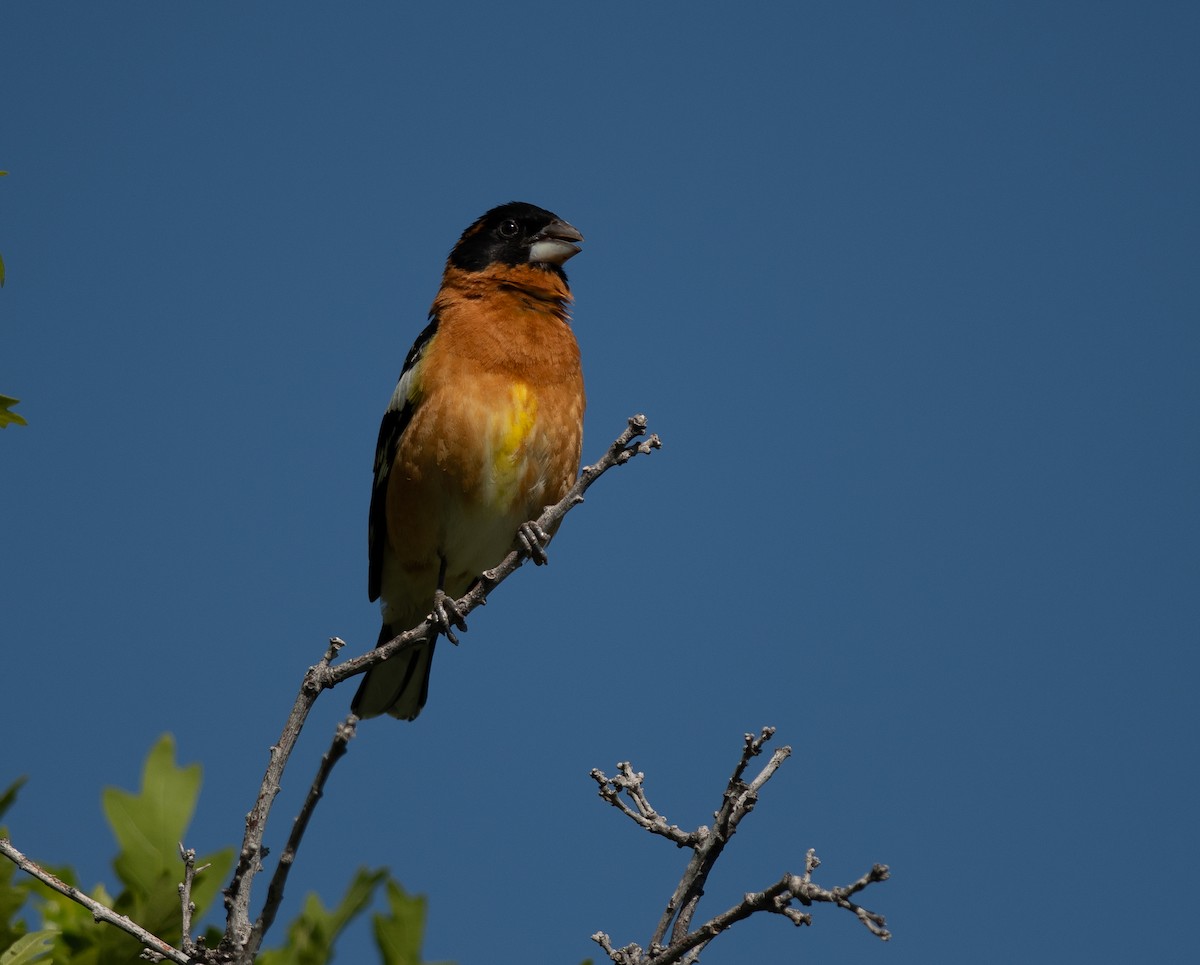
pixel 148 827
pixel 6 401
pixel 28 948
pixel 312 935
pixel 401 932
pixel 9 797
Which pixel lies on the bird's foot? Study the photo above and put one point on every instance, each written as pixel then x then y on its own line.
pixel 533 540
pixel 446 617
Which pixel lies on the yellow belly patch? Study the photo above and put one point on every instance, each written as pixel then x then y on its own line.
pixel 511 429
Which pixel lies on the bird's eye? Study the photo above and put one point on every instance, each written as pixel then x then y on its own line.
pixel 509 229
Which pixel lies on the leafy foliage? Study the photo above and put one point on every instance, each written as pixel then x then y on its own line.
pixel 33 947
pixel 148 827
pixel 312 935
pixel 14 888
pixel 6 403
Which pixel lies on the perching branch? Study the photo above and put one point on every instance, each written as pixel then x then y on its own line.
pixel 620 452
pixel 739 798
pixel 241 938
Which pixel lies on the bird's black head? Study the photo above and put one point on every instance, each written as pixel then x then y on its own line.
pixel 516 234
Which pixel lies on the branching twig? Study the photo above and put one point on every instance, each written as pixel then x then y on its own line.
pixel 631 784
pixel 240 935
pixel 686 943
pixel 187 906
pixel 342 736
pixel 739 800
pixel 238 930
pixel 155 948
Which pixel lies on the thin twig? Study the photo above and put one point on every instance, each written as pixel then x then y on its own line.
pixel 343 734
pixel 777 899
pixel 187 906
pixel 238 930
pixel 630 782
pixel 738 800
pixel 156 948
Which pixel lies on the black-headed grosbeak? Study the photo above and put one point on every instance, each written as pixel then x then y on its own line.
pixel 484 431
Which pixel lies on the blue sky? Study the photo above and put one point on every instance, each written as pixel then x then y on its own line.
pixel 909 291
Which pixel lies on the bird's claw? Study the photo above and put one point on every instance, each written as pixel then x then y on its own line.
pixel 446 617
pixel 533 540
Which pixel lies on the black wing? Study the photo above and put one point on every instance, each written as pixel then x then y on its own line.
pixel 391 430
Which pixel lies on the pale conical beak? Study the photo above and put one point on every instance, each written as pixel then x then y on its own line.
pixel 554 244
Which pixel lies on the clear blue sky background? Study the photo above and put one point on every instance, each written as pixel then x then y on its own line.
pixel 911 293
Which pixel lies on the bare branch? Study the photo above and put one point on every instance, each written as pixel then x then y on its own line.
pixel 156 948
pixel 629 955
pixel 337 750
pixel 777 899
pixel 707 844
pixel 187 906
pixel 803 890
pixel 738 800
pixel 238 930
pixel 631 783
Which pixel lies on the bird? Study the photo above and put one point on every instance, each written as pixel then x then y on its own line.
pixel 483 431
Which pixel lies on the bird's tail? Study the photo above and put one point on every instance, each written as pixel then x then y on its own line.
pixel 398 686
